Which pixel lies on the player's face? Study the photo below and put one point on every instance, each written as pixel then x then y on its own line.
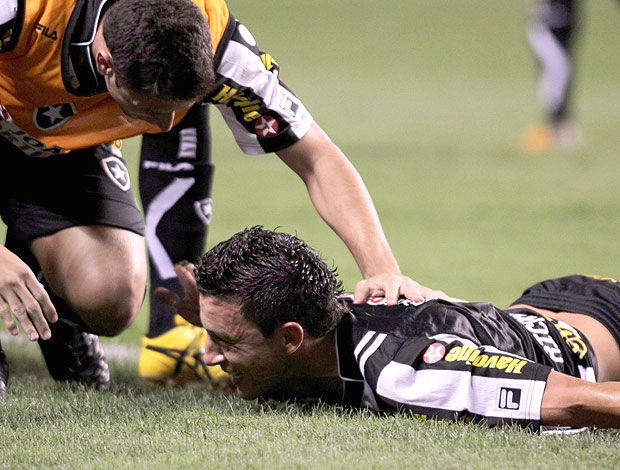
pixel 256 364
pixel 154 110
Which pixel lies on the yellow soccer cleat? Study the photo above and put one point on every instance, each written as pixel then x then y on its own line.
pixel 562 136
pixel 175 358
pixel 537 138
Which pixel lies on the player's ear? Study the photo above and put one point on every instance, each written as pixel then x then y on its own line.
pixel 103 60
pixel 292 336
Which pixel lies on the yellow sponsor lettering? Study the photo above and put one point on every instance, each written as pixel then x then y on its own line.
pixel 572 339
pixel 480 360
pixel 565 333
pixel 225 94
pixel 242 102
pixel 515 366
pixel 473 355
pixel 268 61
pixel 492 362
pixel 578 346
pixel 503 362
pixel 453 354
pixel 464 354
pixel 475 358
pixel 468 354
pixel 251 116
pixel 601 278
pixel 248 109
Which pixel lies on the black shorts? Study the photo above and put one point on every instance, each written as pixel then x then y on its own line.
pixel 593 296
pixel 40 196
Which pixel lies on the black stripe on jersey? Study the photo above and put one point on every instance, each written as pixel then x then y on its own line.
pixel 231 27
pixel 347 366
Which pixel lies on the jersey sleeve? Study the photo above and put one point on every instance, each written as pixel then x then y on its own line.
pixel 262 113
pixel 11 20
pixel 450 378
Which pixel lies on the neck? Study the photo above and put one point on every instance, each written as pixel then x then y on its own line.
pixel 319 356
pixel 316 370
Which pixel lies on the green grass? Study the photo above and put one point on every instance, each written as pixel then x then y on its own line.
pixel 428 99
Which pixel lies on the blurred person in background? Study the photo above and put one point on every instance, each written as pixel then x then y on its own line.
pixel 551 34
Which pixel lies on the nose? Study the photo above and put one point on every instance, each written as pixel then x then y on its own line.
pixel 213 354
pixel 164 121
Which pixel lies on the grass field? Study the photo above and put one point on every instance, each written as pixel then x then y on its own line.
pixel 428 99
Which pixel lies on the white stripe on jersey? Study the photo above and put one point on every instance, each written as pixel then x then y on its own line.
pixel 244 67
pixel 458 390
pixel 369 352
pixel 363 342
pixel 587 373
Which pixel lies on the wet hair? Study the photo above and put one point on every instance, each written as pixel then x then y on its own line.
pixel 277 277
pixel 160 48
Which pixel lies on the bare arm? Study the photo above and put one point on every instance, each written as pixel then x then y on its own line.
pixel 568 401
pixel 341 198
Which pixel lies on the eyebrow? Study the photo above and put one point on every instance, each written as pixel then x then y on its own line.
pixel 217 336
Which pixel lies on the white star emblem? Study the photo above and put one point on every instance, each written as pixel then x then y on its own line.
pixel 54 114
pixel 266 126
pixel 119 173
pixel 434 353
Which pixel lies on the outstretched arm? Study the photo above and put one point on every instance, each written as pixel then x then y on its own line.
pixel 569 401
pixel 341 198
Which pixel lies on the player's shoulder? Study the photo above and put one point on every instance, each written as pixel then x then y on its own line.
pixel 11 22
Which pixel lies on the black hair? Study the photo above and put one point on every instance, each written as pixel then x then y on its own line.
pixel 160 47
pixel 277 277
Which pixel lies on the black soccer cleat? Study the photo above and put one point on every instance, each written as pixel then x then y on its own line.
pixel 73 355
pixel 4 373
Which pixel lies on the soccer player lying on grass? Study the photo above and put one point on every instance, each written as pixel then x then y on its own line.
pixel 278 324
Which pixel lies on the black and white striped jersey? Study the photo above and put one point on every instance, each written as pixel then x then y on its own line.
pixel 452 361
pixel 262 113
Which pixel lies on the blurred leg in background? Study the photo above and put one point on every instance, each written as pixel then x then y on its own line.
pixel 175 187
pixel 551 33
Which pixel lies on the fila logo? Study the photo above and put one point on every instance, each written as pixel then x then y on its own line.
pixel 45 31
pixel 509 398
pixel 288 105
